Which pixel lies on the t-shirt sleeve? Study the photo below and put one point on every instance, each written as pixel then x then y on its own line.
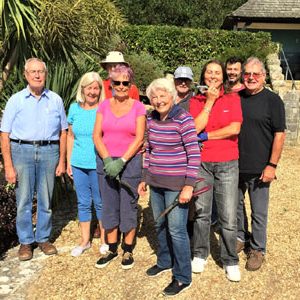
pixel 140 109
pixel 236 108
pixel 63 117
pixel 277 114
pixel 9 115
pixel 195 107
pixel 102 106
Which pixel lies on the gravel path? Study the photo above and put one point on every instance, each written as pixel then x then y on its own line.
pixel 65 277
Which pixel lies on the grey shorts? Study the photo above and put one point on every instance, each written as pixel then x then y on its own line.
pixel 119 203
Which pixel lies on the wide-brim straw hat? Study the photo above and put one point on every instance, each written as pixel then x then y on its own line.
pixel 114 57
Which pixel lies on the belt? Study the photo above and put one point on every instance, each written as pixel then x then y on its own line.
pixel 36 143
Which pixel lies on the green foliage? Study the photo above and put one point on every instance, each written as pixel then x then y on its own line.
pixel 20 14
pixel 187 13
pixel 59 24
pixel 63 78
pixel 18 24
pixel 78 24
pixel 100 21
pixel 146 69
pixel 55 31
pixel 15 83
pixel 176 46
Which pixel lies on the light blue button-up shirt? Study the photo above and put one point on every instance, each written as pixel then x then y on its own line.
pixel 29 119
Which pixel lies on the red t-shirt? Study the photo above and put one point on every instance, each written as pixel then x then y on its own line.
pixel 133 90
pixel 226 109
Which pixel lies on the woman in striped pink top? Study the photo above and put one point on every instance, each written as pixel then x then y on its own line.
pixel 170 169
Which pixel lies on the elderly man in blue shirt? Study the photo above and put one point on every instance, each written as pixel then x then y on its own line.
pixel 33 142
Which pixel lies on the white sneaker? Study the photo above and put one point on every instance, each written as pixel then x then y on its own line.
pixel 198 264
pixel 103 248
pixel 233 273
pixel 77 251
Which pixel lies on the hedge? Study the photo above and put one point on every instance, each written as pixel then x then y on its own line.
pixel 176 46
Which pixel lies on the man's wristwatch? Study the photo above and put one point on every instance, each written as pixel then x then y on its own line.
pixel 272 165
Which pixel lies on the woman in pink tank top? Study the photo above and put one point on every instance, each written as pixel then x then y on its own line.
pixel 118 137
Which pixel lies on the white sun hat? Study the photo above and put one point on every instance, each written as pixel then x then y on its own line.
pixel 114 57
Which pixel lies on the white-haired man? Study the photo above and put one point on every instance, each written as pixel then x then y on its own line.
pixel 33 142
pixel 261 141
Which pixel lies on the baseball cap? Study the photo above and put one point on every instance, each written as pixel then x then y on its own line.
pixel 183 72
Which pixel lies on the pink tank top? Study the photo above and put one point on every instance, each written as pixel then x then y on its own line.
pixel 119 132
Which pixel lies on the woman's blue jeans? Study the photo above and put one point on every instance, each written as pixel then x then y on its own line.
pixel 173 240
pixel 223 178
pixel 35 166
pixel 87 191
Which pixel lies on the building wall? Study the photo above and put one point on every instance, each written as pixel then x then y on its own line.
pixel 290 42
pixel 290 97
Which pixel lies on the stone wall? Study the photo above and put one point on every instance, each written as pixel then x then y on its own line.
pixel 292 110
pixel 289 95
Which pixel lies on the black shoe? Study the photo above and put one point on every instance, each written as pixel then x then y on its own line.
pixel 175 288
pixel 156 270
pixel 127 261
pixel 106 259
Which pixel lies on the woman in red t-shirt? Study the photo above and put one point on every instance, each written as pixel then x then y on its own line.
pixel 218 119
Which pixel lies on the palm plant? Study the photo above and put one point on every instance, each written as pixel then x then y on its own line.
pixel 19 23
pixel 54 30
pixel 63 78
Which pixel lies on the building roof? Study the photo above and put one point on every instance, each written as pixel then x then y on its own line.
pixel 287 9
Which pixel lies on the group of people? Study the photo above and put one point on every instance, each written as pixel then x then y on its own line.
pixel 227 137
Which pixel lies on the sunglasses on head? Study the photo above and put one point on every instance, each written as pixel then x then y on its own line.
pixel 117 83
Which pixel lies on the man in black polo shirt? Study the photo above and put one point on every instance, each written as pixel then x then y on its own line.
pixel 260 144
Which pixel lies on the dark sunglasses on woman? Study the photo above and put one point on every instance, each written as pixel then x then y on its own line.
pixel 117 83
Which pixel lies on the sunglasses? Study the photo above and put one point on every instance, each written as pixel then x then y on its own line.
pixel 181 80
pixel 255 76
pixel 117 83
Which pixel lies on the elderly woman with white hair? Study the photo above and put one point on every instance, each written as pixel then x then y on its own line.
pixel 81 157
pixel 170 169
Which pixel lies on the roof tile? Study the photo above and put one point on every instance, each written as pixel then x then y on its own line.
pixel 269 9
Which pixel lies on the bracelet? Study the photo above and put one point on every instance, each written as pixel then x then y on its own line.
pixel 208 110
pixel 272 165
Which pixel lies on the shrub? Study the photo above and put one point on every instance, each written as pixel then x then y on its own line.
pixel 146 69
pixel 176 46
pixel 8 213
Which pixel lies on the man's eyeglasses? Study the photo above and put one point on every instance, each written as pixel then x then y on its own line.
pixel 117 83
pixel 33 72
pixel 254 75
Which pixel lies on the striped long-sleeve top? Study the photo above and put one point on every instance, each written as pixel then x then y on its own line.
pixel 172 155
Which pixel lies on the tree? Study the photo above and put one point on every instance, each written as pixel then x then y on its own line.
pixel 84 25
pixel 54 30
pixel 188 13
pixel 18 23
